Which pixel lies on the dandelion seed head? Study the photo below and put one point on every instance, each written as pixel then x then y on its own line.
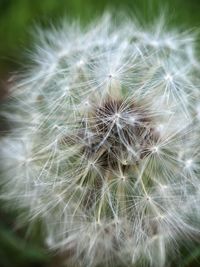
pixel 104 143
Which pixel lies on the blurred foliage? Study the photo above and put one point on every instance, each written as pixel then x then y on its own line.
pixel 17 18
pixel 18 247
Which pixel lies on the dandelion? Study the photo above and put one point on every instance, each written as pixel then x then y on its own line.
pixel 104 147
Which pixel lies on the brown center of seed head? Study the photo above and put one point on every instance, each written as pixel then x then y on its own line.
pixel 120 135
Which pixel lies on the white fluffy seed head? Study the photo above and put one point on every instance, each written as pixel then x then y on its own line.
pixel 105 146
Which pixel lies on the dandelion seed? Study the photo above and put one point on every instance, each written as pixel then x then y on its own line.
pixel 188 163
pixel 169 77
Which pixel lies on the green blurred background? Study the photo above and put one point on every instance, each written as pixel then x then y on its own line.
pixel 21 247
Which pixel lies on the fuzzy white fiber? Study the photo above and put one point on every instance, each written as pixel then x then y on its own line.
pixel 104 146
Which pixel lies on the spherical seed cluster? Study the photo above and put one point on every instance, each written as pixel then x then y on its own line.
pixel 105 142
